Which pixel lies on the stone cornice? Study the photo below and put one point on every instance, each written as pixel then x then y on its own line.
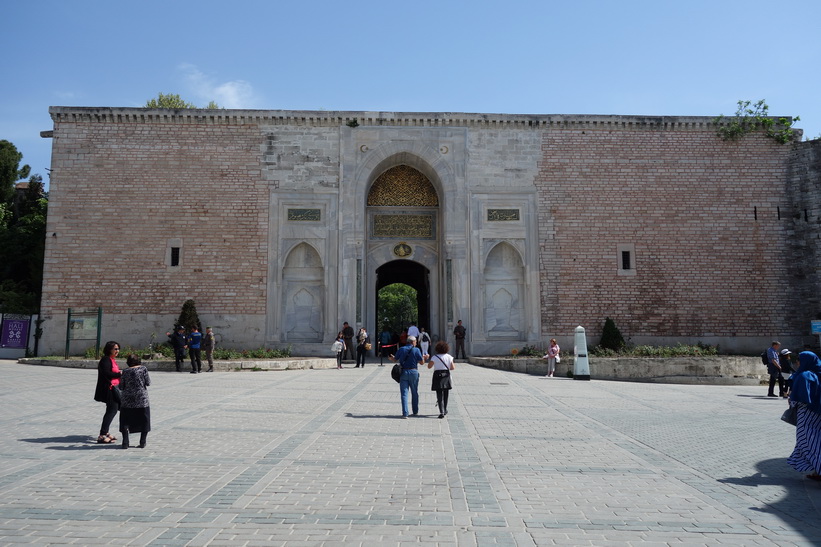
pixel 328 118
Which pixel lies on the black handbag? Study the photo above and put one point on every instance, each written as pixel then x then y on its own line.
pixel 396 372
pixel 791 415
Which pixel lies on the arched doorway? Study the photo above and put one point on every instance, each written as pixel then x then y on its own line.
pixel 404 241
pixel 413 275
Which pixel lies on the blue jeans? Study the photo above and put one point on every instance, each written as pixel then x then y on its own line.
pixel 409 379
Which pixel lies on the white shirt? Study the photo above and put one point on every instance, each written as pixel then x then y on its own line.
pixel 413 330
pixel 439 365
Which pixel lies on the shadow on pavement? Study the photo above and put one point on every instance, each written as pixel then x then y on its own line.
pixel 71 442
pixel 799 508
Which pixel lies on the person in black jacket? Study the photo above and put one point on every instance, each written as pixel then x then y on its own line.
pixel 107 390
pixel 178 342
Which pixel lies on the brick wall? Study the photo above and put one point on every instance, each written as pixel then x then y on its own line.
pixel 701 213
pixel 121 191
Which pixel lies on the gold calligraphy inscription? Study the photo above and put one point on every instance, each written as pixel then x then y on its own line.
pixel 402 250
pixel 403 226
pixel 499 215
pixel 311 215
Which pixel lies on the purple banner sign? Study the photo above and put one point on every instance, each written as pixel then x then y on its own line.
pixel 14 333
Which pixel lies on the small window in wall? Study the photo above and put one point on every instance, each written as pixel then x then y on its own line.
pixel 173 252
pixel 626 259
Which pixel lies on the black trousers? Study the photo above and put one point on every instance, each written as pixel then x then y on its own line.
pixel 196 360
pixel 179 358
pixel 348 348
pixel 111 408
pixel 773 379
pixel 442 400
pixel 360 355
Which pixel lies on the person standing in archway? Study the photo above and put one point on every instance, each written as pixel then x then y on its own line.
pixel 460 332
pixel 424 341
pixel 347 335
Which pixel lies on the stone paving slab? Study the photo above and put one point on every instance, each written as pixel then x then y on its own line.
pixel 320 457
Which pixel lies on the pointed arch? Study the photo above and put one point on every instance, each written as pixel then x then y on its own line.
pixel 504 308
pixel 302 294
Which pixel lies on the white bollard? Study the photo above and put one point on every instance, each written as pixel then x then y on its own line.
pixel 581 366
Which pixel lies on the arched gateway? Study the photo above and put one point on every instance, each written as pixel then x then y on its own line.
pixel 403 240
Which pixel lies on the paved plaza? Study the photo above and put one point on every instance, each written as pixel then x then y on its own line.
pixel 321 457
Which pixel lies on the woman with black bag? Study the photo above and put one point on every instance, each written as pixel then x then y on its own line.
pixel 442 364
pixel 107 390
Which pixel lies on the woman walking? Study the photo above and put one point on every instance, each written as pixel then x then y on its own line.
pixel 806 395
pixel 107 390
pixel 135 413
pixel 442 364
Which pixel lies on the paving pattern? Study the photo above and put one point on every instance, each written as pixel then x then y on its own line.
pixel 321 457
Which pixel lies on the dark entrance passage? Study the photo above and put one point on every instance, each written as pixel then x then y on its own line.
pixel 415 276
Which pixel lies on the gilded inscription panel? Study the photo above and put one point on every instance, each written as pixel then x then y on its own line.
pixel 501 215
pixel 403 226
pixel 402 186
pixel 310 215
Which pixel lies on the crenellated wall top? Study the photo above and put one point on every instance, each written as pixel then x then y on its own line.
pixel 329 118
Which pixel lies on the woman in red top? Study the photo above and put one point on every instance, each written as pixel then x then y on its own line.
pixel 108 392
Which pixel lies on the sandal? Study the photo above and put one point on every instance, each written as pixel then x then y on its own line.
pixel 111 437
pixel 104 439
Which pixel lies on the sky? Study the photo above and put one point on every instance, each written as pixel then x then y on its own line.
pixel 623 57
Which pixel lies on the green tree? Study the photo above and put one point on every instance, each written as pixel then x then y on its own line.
pixel 750 117
pixel 397 306
pixel 10 170
pixel 22 247
pixel 611 337
pixel 173 100
pixel 188 316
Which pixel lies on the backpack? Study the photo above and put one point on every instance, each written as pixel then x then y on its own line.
pixel 765 359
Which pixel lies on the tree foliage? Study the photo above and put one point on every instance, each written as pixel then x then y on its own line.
pixel 173 100
pixel 611 337
pixel 22 235
pixel 10 170
pixel 397 307
pixel 750 117
pixel 188 316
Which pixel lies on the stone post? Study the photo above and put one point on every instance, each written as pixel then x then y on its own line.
pixel 581 367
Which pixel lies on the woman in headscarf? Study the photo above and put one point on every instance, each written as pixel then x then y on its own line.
pixel 806 395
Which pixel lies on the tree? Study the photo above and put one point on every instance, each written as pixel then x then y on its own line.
pixel 611 337
pixel 750 117
pixel 173 100
pixel 22 246
pixel 10 170
pixel 188 316
pixel 397 306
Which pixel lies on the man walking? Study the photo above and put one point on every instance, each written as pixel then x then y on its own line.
pixel 409 357
pixel 460 332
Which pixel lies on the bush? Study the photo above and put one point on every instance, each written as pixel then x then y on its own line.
pixel 679 350
pixel 530 351
pixel 611 337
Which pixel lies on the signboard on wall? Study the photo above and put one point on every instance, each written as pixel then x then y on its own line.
pixel 14 332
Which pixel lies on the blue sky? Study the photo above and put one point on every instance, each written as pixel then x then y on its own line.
pixel 694 58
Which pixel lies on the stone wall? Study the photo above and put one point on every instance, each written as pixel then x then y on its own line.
pixel 708 226
pixel 723 370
